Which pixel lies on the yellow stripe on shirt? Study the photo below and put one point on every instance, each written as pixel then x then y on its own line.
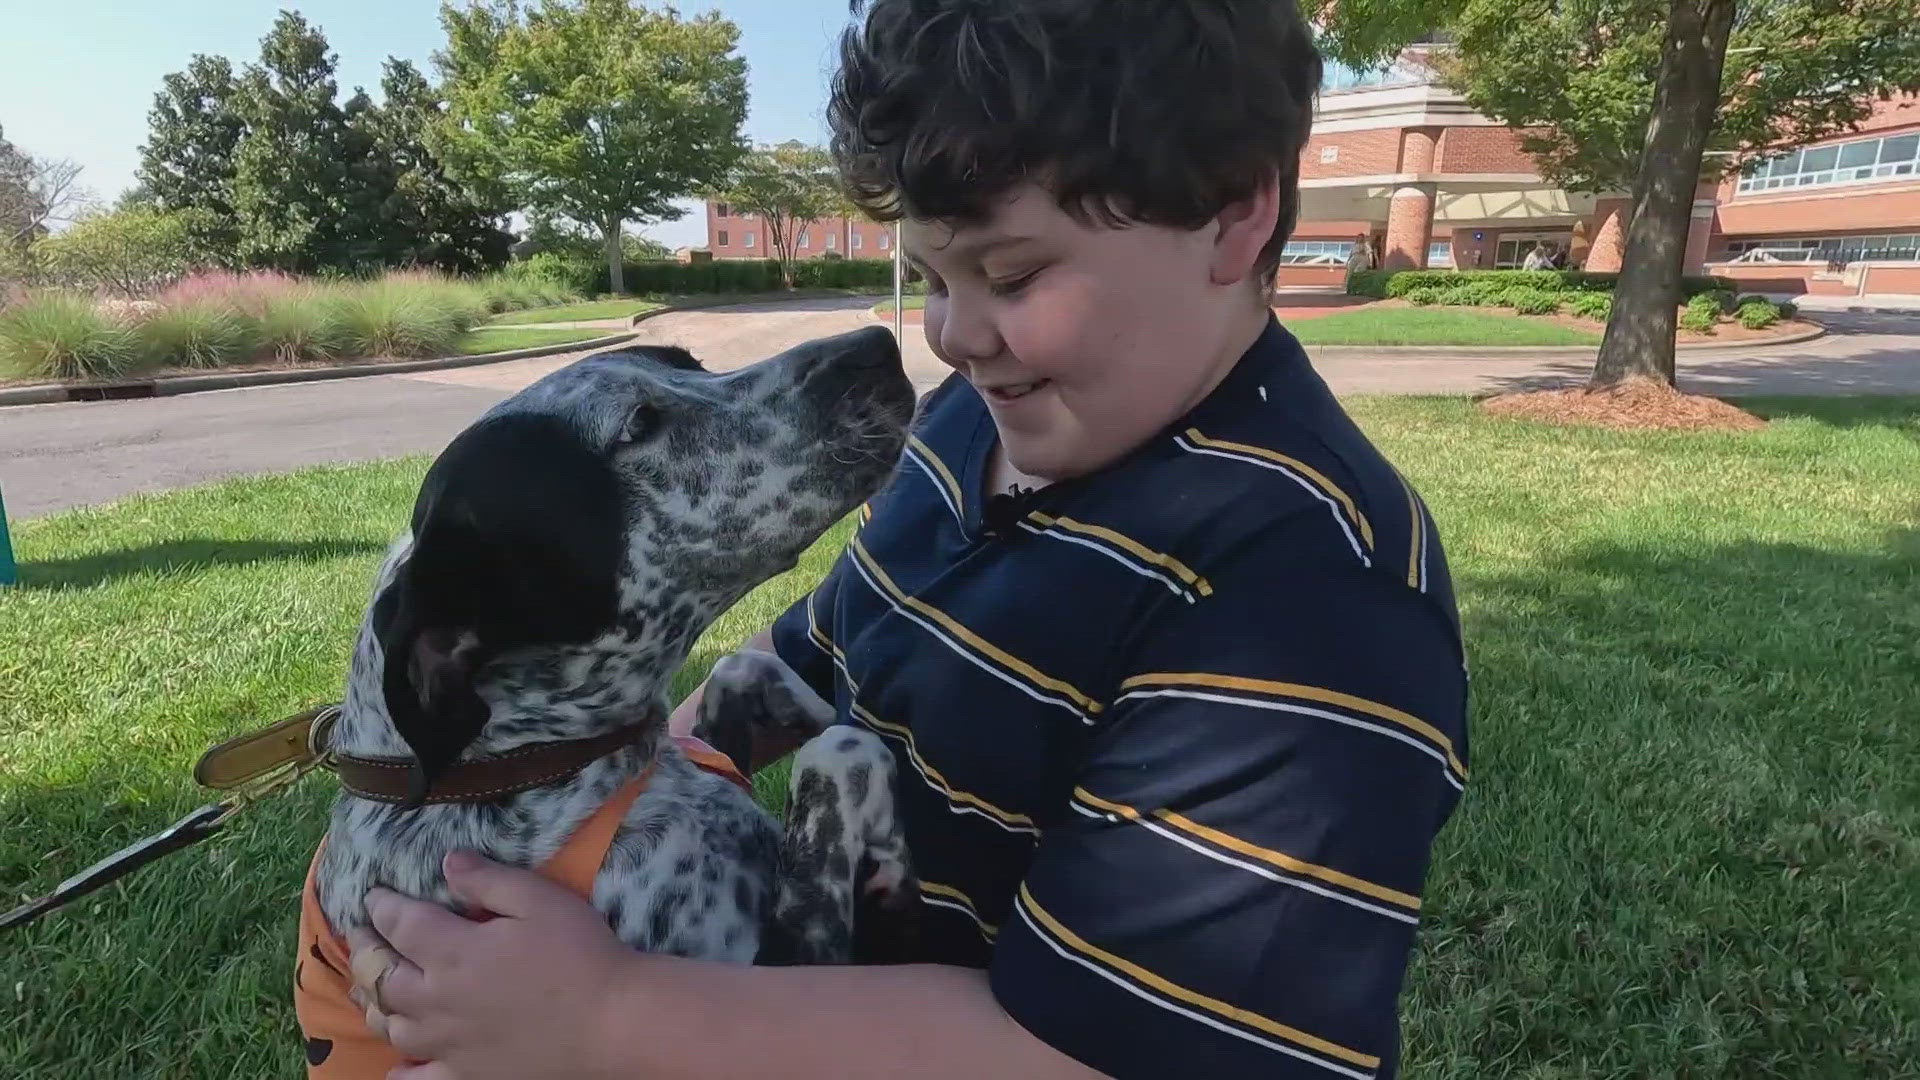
pixel 975 641
pixel 1053 928
pixel 1309 693
pixel 1311 474
pixel 1267 855
pixel 1129 545
pixel 939 467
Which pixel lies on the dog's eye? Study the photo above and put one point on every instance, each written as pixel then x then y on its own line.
pixel 642 423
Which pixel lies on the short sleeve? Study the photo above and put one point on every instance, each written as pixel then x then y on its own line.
pixel 803 635
pixel 1235 890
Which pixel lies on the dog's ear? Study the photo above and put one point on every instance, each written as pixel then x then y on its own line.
pixel 517 542
pixel 428 682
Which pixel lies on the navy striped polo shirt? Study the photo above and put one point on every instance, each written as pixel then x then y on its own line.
pixel 1174 739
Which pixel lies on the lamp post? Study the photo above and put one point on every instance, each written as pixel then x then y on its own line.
pixel 899 289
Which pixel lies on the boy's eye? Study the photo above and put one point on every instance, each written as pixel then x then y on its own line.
pixel 1012 286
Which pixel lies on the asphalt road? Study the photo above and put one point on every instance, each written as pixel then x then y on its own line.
pixel 53 457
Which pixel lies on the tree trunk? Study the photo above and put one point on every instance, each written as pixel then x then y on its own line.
pixel 616 263
pixel 1639 340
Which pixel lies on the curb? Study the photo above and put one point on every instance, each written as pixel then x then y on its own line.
pixel 52 393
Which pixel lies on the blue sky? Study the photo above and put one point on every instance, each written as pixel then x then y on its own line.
pixel 77 76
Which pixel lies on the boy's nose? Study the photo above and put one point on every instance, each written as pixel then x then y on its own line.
pixel 967 334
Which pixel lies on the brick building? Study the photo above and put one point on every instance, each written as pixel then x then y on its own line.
pixel 1404 161
pixel 732 235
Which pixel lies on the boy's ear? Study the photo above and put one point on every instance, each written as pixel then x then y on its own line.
pixel 1246 227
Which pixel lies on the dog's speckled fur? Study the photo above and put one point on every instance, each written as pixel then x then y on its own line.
pixel 721 481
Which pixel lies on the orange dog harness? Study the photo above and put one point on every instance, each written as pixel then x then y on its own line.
pixel 339 1046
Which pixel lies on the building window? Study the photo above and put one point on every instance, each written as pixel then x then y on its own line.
pixel 886 241
pixel 1440 255
pixel 1859 162
pixel 859 240
pixel 805 240
pixel 722 241
pixel 1831 250
pixel 721 210
pixel 1316 252
pixel 746 240
pixel 833 241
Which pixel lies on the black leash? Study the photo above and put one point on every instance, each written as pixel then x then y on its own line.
pixel 179 836
pixel 188 831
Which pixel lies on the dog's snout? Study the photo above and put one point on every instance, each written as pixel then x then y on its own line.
pixel 873 347
pixel 868 349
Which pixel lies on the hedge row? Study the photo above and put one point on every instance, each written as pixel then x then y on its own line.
pixel 748 275
pixel 1381 284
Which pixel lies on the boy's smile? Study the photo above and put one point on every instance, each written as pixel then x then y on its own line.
pixel 1086 340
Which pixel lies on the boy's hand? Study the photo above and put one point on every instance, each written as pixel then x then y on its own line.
pixel 521 994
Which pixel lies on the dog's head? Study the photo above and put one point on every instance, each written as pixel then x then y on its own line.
pixel 568 548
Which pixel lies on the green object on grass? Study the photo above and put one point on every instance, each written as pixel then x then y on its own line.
pixel 8 573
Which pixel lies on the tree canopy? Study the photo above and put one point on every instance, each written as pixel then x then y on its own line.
pixel 599 111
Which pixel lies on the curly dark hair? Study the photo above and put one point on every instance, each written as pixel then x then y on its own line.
pixel 1161 112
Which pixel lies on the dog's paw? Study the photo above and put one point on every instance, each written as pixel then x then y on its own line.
pixel 759 688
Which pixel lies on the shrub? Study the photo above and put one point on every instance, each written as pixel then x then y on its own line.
pixel 1788 309
pixel 1396 283
pixel 1462 296
pixel 1424 295
pixel 407 316
pixel 129 252
pixel 1371 283
pixel 62 335
pixel 202 333
pixel 1528 300
pixel 1757 314
pixel 1706 304
pixel 576 275
pixel 750 275
pixel 1697 320
pixel 301 324
pixel 1592 305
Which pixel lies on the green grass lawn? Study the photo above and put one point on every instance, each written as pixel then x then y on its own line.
pixel 907 303
pixel 1401 326
pixel 592 309
pixel 1691 847
pixel 491 341
pixel 1434 326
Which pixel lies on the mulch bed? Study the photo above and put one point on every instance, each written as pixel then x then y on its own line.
pixel 1637 404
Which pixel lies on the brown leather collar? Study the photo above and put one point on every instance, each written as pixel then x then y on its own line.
pixel 484 779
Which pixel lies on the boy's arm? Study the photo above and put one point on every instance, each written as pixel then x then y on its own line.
pixel 1234 887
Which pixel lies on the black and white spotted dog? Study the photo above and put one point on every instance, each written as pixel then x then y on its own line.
pixel 565 552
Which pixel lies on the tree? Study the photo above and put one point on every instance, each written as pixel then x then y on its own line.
pixel 36 194
pixel 187 163
pixel 424 216
pixel 299 201
pixel 1652 97
pixel 595 110
pixel 129 252
pixel 787 187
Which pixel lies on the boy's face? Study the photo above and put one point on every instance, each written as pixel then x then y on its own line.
pixel 1085 341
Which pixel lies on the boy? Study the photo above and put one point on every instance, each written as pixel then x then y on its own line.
pixel 1165 650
